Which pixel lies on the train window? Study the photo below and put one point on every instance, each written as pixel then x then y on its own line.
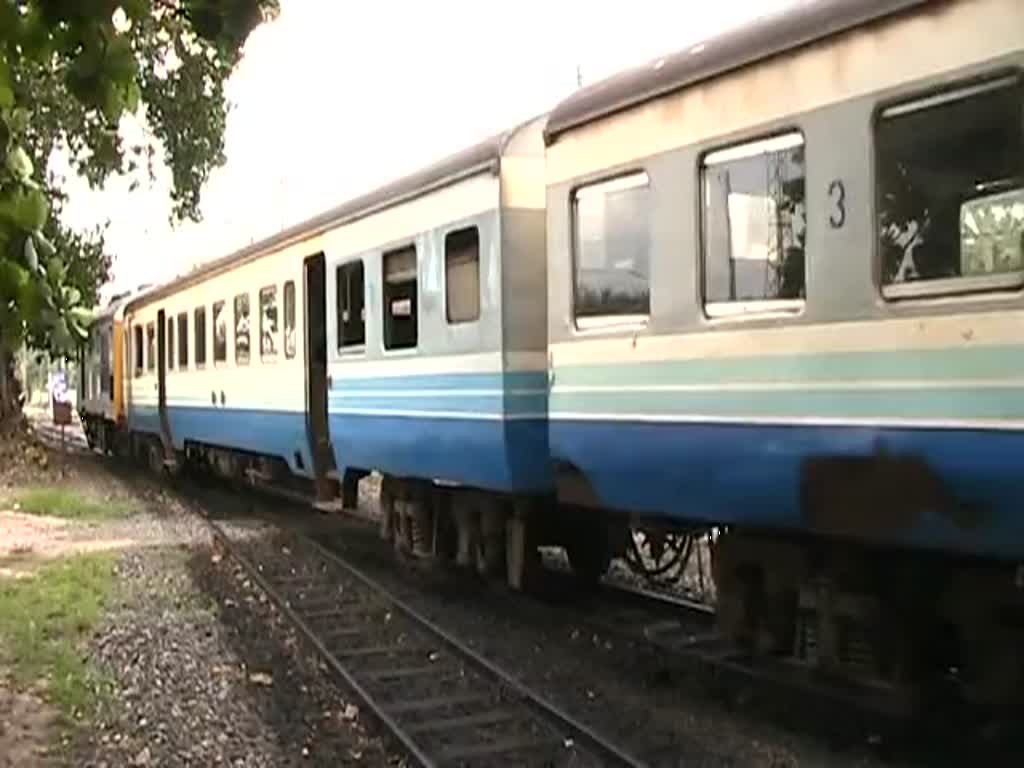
pixel 220 333
pixel 170 343
pixel 289 319
pixel 268 321
pixel 611 250
pixel 462 275
pixel 106 363
pixel 399 267
pixel 242 329
pixel 199 329
pixel 754 226
pixel 182 340
pixel 150 346
pixel 137 349
pixel 351 304
pixel 950 170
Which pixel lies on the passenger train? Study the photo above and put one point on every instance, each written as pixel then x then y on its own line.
pixel 771 286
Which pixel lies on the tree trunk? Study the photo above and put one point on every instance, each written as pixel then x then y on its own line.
pixel 9 404
pixel 5 384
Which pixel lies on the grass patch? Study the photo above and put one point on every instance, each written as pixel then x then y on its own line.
pixel 43 622
pixel 70 503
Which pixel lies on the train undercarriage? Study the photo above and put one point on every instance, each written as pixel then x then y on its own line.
pixel 903 623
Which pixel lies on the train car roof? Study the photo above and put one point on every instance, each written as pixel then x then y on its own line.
pixel 481 157
pixel 760 39
pixel 117 303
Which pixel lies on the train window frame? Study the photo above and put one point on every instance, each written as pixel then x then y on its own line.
pixel 740 148
pixel 221 359
pixel 956 288
pixel 621 180
pixel 449 257
pixel 272 355
pixel 390 348
pixel 183 346
pixel 346 270
pixel 151 350
pixel 289 320
pixel 243 300
pixel 169 343
pixel 199 332
pixel 138 351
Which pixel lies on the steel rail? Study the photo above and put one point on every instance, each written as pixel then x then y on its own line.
pixel 549 711
pixel 654 597
pixel 332 661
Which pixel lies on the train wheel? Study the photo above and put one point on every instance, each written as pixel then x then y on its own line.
pixel 589 556
pixel 490 559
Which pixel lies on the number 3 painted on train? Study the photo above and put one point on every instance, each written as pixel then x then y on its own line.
pixel 837 194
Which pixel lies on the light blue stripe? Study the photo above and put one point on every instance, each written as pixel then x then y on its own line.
pixel 850 402
pixel 535 380
pixel 498 403
pixel 981 362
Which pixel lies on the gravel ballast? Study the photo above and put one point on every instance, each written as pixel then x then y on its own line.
pixel 204 674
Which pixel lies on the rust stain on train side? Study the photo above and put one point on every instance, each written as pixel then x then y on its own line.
pixel 878 496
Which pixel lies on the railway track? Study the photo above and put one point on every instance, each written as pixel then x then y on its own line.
pixel 422 708
pixel 442 702
pixel 685 630
pixel 681 634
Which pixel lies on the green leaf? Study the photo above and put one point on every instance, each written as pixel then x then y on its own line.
pixel 26 209
pixel 132 97
pixel 135 9
pixel 19 164
pixel 31 257
pixel 44 246
pixel 72 296
pixel 81 315
pixel 19 120
pixel 37 42
pixel 112 105
pixel 119 64
pixel 12 275
pixel 6 88
pixel 55 270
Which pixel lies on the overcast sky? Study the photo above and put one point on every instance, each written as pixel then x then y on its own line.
pixel 335 98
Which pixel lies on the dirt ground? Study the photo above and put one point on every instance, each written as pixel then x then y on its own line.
pixel 28 727
pixel 185 681
pixel 27 539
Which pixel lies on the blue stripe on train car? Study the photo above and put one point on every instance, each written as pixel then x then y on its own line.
pixel 751 474
pixel 487 430
pixel 271 433
pixel 501 455
pixel 144 418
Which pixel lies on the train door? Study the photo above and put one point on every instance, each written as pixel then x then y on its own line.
pixel 131 344
pixel 317 429
pixel 161 378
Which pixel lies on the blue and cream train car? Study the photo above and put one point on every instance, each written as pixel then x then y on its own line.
pixel 786 296
pixel 388 334
pixel 101 405
pixel 436 349
pixel 770 286
pixel 214 362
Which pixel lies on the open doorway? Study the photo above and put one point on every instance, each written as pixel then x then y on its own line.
pixel 161 378
pixel 317 429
